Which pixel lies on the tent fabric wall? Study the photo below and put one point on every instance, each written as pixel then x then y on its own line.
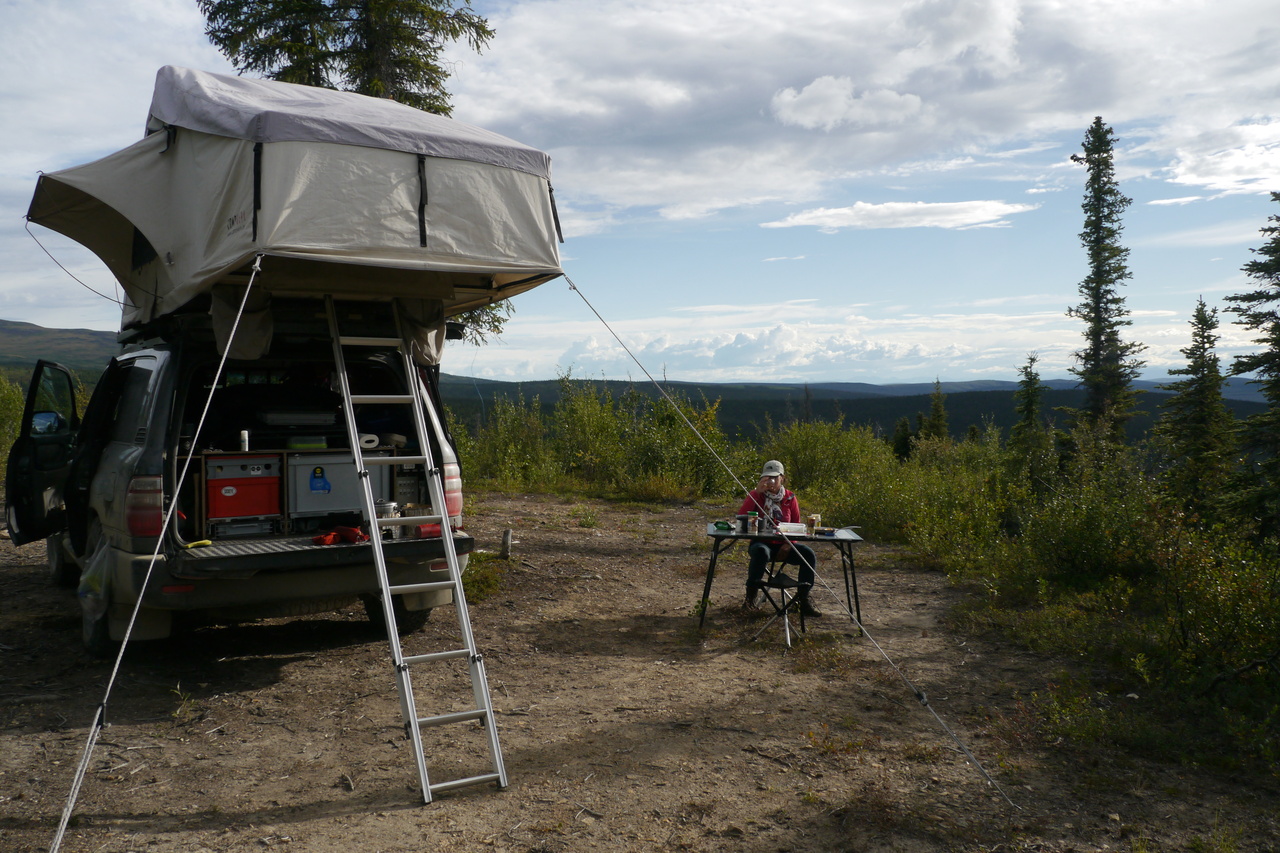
pixel 187 208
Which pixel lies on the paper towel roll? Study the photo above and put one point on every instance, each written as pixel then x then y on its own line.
pixel 367 440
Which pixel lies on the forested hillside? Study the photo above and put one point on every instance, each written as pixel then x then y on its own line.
pixel 86 351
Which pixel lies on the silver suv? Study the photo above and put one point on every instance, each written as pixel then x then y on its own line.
pixel 257 470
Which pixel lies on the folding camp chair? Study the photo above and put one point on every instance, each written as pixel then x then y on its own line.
pixel 783 594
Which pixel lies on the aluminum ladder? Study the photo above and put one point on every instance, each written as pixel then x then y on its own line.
pixel 483 705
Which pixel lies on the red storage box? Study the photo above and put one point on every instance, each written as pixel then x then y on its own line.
pixel 242 486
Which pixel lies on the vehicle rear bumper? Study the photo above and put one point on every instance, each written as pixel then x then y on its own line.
pixel 253 573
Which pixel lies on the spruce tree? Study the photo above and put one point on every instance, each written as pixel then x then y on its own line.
pixel 935 425
pixel 1260 433
pixel 1107 365
pixel 902 438
pixel 1029 432
pixel 1195 429
pixel 384 48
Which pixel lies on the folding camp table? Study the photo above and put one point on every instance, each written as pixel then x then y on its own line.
pixel 842 539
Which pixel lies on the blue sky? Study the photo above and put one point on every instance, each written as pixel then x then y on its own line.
pixel 827 190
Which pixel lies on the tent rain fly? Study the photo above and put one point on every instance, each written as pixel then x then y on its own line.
pixel 341 193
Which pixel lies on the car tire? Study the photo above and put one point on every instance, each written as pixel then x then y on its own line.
pixel 95 629
pixel 407 621
pixel 64 572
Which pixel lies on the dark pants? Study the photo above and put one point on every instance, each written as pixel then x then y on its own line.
pixel 762 553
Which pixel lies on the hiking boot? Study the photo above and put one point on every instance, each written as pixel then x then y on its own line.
pixel 752 601
pixel 808 610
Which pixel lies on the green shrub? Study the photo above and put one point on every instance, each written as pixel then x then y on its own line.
pixel 847 474
pixel 511 450
pixel 11 402
pixel 1222 610
pixel 1094 521
pixel 959 497
pixel 586 434
pixel 665 459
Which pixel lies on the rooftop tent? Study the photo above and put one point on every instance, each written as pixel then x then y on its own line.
pixel 341 193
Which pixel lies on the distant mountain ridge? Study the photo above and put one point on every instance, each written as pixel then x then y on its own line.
pixel 1233 389
pixel 87 351
pixel 747 409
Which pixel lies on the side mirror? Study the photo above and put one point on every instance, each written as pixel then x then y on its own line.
pixel 47 423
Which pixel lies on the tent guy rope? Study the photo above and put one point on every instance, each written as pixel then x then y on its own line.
pixel 916 691
pixel 72 275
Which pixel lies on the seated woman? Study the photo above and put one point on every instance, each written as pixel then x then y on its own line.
pixel 776 504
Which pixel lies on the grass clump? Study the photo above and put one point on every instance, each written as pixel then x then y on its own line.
pixel 483 575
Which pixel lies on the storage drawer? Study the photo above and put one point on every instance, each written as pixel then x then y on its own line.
pixel 242 486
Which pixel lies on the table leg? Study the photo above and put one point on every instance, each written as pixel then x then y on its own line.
pixel 850 572
pixel 717 546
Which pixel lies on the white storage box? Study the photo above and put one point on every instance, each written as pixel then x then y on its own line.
pixel 323 483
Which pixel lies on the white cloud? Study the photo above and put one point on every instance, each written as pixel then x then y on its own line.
pixel 1238 232
pixel 1188 199
pixel 829 102
pixel 941 84
pixel 816 340
pixel 905 214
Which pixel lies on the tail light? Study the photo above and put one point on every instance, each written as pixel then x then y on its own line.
pixel 452 489
pixel 144 506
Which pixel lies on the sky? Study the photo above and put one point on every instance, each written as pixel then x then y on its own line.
pixel 814 191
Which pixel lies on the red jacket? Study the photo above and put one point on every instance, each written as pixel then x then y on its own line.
pixel 788 508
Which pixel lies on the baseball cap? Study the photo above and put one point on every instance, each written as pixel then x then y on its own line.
pixel 772 468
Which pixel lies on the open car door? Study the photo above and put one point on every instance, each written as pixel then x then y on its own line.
pixel 41 456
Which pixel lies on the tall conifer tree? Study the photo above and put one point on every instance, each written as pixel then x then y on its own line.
pixel 1107 365
pixel 1258 310
pixel 935 425
pixel 1029 433
pixel 1196 427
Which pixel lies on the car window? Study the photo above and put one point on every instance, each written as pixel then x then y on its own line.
pixel 131 406
pixel 53 405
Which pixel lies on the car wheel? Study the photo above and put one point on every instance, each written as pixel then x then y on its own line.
pixel 94 620
pixel 407 621
pixel 63 571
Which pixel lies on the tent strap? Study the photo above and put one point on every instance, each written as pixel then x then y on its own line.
pixel 257 186
pixel 422 200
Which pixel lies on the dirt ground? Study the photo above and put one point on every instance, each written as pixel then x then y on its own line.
pixel 624 727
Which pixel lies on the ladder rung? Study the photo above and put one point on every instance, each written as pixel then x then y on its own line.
pixel 359 341
pixel 470 780
pixel 458 717
pixel 381 399
pixel 430 656
pixel 404 589
pixel 409 520
pixel 394 460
